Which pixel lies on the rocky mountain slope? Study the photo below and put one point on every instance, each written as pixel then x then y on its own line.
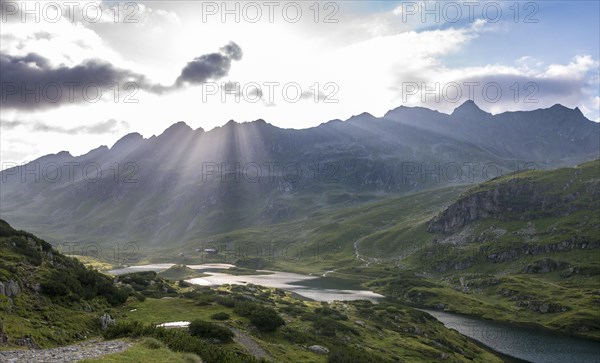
pixel 187 184
pixel 524 196
pixel 47 298
pixel 523 248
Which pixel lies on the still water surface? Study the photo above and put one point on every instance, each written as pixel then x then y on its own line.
pixel 312 287
pixel 529 344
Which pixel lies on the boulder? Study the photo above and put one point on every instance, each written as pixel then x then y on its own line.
pixel 10 288
pixel 27 341
pixel 319 349
pixel 106 320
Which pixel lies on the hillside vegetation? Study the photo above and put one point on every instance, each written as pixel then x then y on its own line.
pixel 46 298
pixel 523 248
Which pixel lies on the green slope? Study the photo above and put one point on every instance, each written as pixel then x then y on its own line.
pixel 47 298
pixel 383 232
pixel 523 248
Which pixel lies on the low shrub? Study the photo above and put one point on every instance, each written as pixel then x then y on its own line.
pixel 208 330
pixel 152 343
pixel 226 301
pixel 220 316
pixel 264 318
pixel 178 341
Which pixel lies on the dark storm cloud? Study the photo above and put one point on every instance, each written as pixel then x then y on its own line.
pixel 233 51
pixel 210 66
pixel 103 127
pixel 30 82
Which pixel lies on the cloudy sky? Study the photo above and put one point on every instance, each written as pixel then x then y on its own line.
pixel 83 74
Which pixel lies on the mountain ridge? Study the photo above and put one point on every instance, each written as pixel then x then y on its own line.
pixel 187 183
pixel 388 115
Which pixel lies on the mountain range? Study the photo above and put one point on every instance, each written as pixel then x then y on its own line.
pixel 187 184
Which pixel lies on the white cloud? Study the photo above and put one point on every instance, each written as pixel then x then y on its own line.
pixel 368 55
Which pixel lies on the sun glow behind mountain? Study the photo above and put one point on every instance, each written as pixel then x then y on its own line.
pixel 333 61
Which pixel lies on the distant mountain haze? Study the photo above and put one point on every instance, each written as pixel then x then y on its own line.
pixel 185 184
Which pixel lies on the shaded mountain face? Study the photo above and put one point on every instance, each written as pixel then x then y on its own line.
pixel 185 184
pixel 530 196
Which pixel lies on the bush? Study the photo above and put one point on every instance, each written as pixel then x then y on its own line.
pixel 226 301
pixel 81 283
pixel 178 341
pixel 54 288
pixel 208 330
pixel 266 319
pixel 263 318
pixel 329 327
pixel 133 329
pixel 152 343
pixel 204 299
pixel 220 316
pixel 332 313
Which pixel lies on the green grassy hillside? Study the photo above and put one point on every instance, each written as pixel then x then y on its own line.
pixel 523 248
pixel 382 231
pixel 359 330
pixel 46 298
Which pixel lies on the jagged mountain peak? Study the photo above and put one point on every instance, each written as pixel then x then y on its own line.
pixel 180 125
pixel 99 150
pixel 129 139
pixel 178 129
pixel 469 108
pixel 58 156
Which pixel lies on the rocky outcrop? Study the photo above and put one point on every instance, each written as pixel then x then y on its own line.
pixel 106 320
pixel 513 254
pixel 27 341
pixel 542 307
pixel 544 265
pixel 515 196
pixel 319 349
pixel 9 288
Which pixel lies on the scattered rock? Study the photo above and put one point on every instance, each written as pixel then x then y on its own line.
pixel 72 353
pixel 27 341
pixel 319 349
pixel 10 288
pixel 543 266
pixel 542 307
